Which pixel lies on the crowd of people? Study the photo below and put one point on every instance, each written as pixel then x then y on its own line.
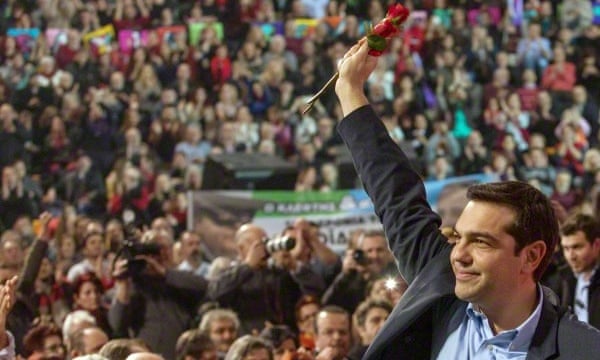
pixel 100 142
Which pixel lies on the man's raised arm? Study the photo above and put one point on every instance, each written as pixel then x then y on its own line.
pixel 396 190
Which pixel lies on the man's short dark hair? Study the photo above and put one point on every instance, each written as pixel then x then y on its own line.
pixel 584 223
pixel 534 215
pixel 193 343
pixel 360 314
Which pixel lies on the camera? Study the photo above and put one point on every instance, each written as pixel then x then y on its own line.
pixel 130 250
pixel 285 243
pixel 360 257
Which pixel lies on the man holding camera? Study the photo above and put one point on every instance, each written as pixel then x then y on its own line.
pixel 260 293
pixel 155 297
pixel 369 260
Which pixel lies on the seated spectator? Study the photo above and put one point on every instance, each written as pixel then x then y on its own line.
pixel 87 341
pixel 475 157
pixel 368 319
pixel 250 347
pixel 564 193
pixel 540 170
pixel 282 340
pixel 534 51
pixel 93 253
pixel 306 311
pixel 222 327
pixel 44 340
pixel 560 76
pixel 333 336
pixel 194 344
pixel 119 349
pixel 193 147
pixel 87 292
pixel 75 321
pixel 191 254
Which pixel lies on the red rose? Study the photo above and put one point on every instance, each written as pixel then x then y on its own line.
pixel 385 29
pixel 397 13
pixel 375 53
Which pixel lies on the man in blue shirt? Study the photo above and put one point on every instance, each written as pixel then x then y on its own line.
pixel 474 294
pixel 580 242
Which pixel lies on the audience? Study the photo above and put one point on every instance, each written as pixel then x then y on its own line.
pixel 109 111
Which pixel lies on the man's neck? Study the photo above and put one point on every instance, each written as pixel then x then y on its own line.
pixel 504 315
pixel 586 275
pixel 193 261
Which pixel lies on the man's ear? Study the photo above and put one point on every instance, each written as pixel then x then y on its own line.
pixel 532 255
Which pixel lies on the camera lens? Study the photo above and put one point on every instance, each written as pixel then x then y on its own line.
pixel 284 243
pixel 359 256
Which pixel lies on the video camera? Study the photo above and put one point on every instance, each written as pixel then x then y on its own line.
pixel 281 243
pixel 133 248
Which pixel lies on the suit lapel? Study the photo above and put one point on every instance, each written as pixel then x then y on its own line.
pixel 544 345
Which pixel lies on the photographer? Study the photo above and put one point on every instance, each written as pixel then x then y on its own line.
pixel 371 258
pixel 256 291
pixel 154 298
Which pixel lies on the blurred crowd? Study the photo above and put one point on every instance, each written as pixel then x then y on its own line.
pixel 99 145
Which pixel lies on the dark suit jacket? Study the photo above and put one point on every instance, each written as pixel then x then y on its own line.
pixel 568 294
pixel 429 305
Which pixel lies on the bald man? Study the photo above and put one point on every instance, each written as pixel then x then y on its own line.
pixel 254 289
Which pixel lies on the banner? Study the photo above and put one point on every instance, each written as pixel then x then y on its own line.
pixel 169 34
pixel 195 31
pixel 25 39
pixel 216 215
pixel 100 39
pixel 55 38
pixel 130 40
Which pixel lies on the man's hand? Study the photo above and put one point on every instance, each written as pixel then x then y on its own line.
pixel 349 264
pixel 120 270
pixel 153 265
pixel 328 353
pixel 8 297
pixel 354 70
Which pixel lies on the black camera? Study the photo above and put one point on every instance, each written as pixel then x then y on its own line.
pixel 285 243
pixel 131 249
pixel 360 257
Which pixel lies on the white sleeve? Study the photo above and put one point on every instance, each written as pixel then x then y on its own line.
pixel 8 352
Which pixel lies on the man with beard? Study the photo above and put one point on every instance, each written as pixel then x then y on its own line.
pixel 191 254
pixel 157 298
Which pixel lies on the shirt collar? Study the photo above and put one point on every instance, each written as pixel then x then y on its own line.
pixel 519 338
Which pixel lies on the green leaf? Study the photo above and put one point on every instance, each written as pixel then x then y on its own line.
pixel 376 42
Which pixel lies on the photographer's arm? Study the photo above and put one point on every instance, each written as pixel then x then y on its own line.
pixel 224 289
pixel 119 312
pixel 186 280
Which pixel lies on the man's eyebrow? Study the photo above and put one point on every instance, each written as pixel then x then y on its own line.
pixel 482 234
pixel 476 234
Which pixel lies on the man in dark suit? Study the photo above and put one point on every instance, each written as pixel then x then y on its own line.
pixel 476 294
pixel 580 242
